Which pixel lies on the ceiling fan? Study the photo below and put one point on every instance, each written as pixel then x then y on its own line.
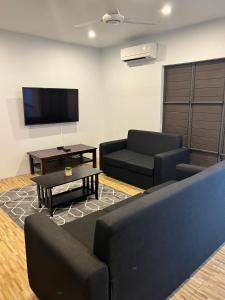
pixel 114 18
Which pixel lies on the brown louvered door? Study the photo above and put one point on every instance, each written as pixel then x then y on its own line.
pixel 194 108
pixel 177 94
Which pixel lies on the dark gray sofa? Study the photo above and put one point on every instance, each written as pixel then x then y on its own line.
pixel 142 248
pixel 144 158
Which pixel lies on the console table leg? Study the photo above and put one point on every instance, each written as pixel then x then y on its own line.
pixel 43 167
pixel 94 158
pixel 96 187
pixel 31 161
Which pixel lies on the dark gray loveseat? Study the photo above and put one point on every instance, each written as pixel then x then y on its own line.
pixel 138 249
pixel 144 159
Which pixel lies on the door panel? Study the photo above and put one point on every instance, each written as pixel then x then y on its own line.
pixel 203 159
pixel 198 89
pixel 176 120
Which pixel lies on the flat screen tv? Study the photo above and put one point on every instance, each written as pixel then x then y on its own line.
pixel 50 105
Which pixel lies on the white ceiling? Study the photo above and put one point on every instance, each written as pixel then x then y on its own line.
pixel 55 18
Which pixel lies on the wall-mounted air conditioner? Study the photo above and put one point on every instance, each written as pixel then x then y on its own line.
pixel 145 51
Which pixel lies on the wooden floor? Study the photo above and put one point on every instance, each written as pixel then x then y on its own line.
pixel 207 283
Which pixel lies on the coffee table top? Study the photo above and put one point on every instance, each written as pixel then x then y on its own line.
pixel 58 178
pixel 54 152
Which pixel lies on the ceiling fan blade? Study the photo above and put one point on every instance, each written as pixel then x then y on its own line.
pixel 87 23
pixel 139 22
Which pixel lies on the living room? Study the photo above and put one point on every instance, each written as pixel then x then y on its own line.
pixel 46 45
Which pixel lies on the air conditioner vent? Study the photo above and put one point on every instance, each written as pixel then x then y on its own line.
pixel 145 51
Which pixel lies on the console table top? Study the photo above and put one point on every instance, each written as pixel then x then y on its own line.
pixel 54 152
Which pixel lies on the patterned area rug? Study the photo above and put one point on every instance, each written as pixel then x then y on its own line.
pixel 20 203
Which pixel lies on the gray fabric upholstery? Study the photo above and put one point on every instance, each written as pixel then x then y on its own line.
pixel 129 200
pixel 143 164
pixel 153 247
pixel 186 170
pixel 109 147
pixel 128 176
pixel 165 164
pixel 133 160
pixel 119 158
pixel 83 229
pixel 144 247
pixel 158 187
pixel 59 266
pixel 151 143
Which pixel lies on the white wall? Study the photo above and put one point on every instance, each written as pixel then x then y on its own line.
pixel 114 97
pixel 30 61
pixel 133 95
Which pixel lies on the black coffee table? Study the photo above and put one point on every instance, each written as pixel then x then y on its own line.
pixel 46 183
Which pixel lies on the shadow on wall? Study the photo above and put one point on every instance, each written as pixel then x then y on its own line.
pixel 23 167
pixel 21 132
pixel 161 56
pixel 44 130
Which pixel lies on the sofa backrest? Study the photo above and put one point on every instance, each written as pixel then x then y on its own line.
pixel 151 143
pixel 154 244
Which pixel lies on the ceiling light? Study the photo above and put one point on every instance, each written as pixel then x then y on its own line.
pixel 91 34
pixel 166 10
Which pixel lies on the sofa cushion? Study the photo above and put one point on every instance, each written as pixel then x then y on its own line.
pixel 119 158
pixel 186 170
pixel 143 164
pixel 140 180
pixel 133 161
pixel 83 229
pixel 159 186
pixel 124 202
pixel 151 143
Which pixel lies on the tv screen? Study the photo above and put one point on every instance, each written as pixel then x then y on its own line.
pixel 50 105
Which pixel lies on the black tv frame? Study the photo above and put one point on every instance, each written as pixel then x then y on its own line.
pixel 55 122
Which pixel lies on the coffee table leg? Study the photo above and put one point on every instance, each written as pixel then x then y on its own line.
pixel 92 184
pixel 96 186
pixel 42 194
pixel 45 193
pixel 49 193
pixel 39 196
pixel 88 185
pixel 83 183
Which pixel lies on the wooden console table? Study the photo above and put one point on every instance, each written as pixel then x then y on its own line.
pixel 50 160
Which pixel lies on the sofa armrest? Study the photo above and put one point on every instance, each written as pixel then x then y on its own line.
pixel 186 170
pixel 108 147
pixel 59 266
pixel 165 164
